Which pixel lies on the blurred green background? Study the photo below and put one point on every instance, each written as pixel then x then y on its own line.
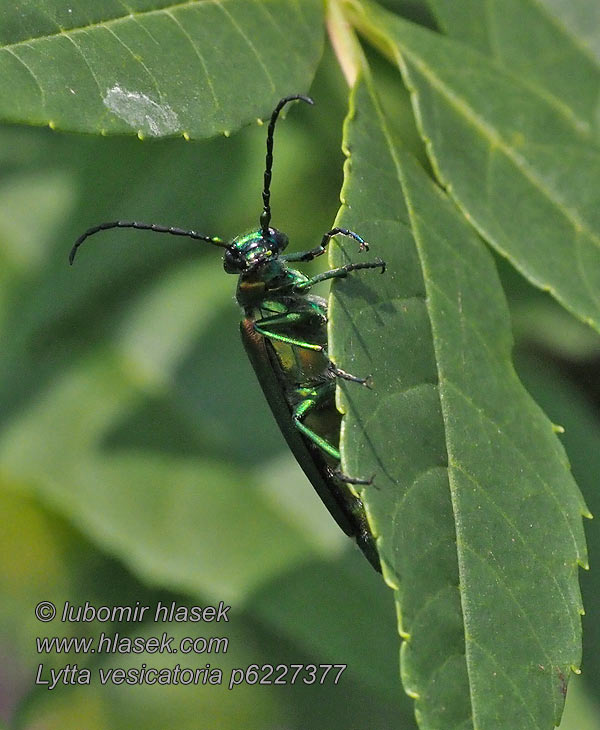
pixel 138 459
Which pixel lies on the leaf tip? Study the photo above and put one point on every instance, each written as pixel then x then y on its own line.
pixel 140 135
pixel 52 125
pixel 186 136
pixel 557 428
pixel 226 133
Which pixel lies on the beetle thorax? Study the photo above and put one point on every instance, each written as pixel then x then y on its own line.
pixel 262 282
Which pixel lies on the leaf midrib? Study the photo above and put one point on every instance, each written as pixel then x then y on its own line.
pixel 400 178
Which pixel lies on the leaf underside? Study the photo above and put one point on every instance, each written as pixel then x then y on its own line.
pixel 477 517
pixel 154 68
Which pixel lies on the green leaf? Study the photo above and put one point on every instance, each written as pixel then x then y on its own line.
pixel 519 165
pixel 154 68
pixel 554 46
pixel 539 321
pixel 41 556
pixel 564 402
pixel 477 518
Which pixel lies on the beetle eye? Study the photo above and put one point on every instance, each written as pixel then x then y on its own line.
pixel 277 240
pixel 232 262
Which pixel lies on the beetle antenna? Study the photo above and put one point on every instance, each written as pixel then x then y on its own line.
pixel 265 217
pixel 143 227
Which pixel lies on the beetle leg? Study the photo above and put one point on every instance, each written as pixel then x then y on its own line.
pixel 262 327
pixel 339 474
pixel 340 273
pixel 339 373
pixel 289 340
pixel 313 399
pixel 320 249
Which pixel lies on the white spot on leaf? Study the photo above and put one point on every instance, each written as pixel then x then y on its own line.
pixel 141 112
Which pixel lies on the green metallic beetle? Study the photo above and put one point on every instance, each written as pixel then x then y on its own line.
pixel 284 331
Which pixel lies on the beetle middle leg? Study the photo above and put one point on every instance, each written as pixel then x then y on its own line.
pixel 262 326
pixel 340 273
pixel 293 318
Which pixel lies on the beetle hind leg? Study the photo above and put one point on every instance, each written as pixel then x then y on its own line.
pixel 311 399
pixel 339 474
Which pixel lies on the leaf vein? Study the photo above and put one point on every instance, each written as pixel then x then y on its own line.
pixel 507 676
pixel 300 14
pixel 543 567
pixel 261 6
pixel 412 486
pixel 526 463
pixel 14 54
pixel 251 46
pixel 102 23
pixel 502 583
pixel 429 600
pixel 567 32
pixel 198 53
pixel 138 60
pixel 82 54
pixel 494 136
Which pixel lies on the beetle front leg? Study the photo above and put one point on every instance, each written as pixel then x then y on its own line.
pixel 321 248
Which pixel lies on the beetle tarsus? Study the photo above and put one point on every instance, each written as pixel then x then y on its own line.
pixel 339 474
pixel 339 373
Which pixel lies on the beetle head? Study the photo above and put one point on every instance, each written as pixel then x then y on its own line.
pixel 252 250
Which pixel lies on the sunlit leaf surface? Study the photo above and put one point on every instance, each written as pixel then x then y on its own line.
pixel 154 68
pixel 477 516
